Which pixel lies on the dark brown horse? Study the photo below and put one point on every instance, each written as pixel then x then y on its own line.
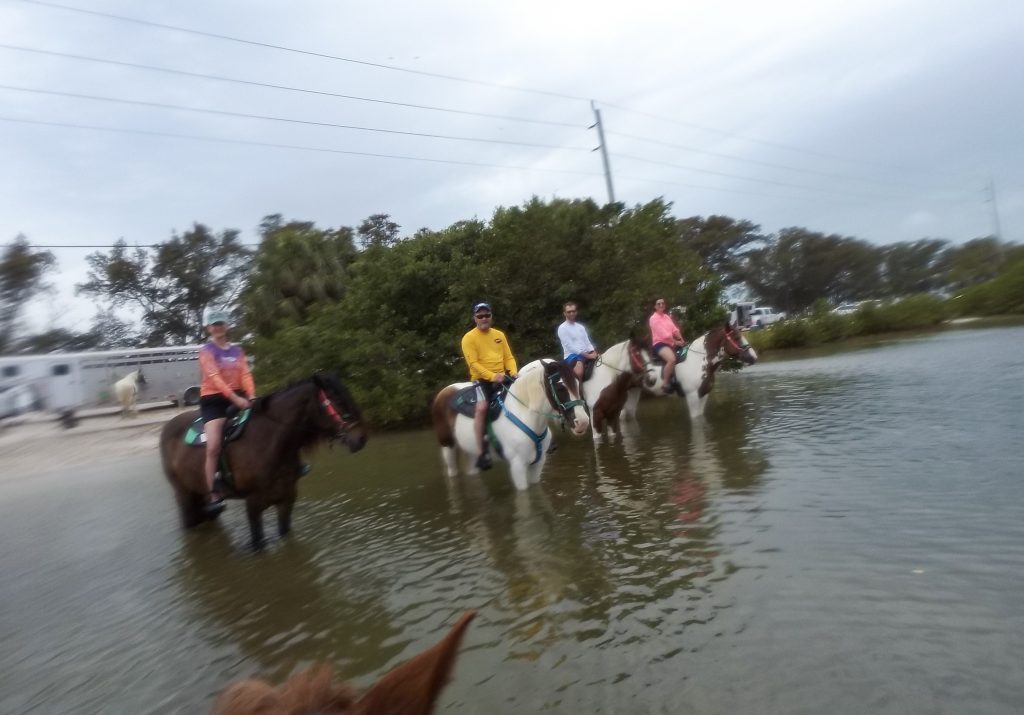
pixel 264 462
pixel 410 689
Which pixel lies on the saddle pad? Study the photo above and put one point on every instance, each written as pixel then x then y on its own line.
pixel 196 437
pixel 464 402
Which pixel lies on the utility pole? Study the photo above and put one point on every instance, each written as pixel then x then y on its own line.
pixel 995 210
pixel 604 152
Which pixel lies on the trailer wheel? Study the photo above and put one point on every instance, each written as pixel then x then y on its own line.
pixel 191 396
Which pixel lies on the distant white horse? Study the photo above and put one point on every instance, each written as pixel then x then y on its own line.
pixel 127 391
pixel 620 368
pixel 696 374
pixel 543 390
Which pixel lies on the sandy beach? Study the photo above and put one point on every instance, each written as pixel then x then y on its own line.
pixel 35 446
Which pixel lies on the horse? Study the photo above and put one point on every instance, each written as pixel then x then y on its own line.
pixel 621 367
pixel 127 391
pixel 521 427
pixel 264 461
pixel 695 376
pixel 410 689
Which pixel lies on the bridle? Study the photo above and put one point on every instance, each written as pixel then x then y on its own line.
pixel 551 390
pixel 343 421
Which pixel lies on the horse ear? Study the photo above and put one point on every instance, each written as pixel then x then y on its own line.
pixel 413 687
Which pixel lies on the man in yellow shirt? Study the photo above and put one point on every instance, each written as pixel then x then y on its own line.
pixel 490 361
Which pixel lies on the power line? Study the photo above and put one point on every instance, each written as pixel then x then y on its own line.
pixel 274 145
pixel 226 113
pixel 773 165
pixel 268 85
pixel 309 53
pixel 454 78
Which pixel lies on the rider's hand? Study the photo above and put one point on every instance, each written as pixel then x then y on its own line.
pixel 241 402
pixel 499 377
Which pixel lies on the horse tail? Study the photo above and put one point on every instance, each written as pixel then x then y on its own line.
pixel 443 417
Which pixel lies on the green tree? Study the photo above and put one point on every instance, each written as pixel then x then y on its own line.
pixel 173 283
pixel 21 276
pixel 801 266
pixel 721 242
pixel 976 261
pixel 914 267
pixel 378 230
pixel 296 267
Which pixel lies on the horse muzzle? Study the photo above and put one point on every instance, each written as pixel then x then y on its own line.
pixel 580 422
pixel 355 439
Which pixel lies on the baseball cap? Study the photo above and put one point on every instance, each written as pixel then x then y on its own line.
pixel 481 306
pixel 215 316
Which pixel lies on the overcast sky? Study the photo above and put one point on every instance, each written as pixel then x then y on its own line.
pixel 882 119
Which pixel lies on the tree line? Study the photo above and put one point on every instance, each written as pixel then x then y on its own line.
pixel 389 310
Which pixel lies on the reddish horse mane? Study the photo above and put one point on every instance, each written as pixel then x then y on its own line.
pixel 410 689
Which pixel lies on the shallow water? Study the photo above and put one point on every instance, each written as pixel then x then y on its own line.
pixel 843 534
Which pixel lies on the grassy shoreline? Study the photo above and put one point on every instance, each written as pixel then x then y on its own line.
pixel 767 351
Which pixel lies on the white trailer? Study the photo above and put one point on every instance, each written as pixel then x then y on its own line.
pixel 68 381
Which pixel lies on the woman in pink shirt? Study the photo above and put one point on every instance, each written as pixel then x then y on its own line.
pixel 665 336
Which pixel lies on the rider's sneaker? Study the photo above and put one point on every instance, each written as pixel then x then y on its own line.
pixel 305 469
pixel 483 462
pixel 215 505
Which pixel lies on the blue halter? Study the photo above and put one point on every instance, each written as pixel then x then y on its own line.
pixel 538 439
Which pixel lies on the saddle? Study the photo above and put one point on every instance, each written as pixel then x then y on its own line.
pixel 464 402
pixel 196 437
pixel 681 352
pixel 588 369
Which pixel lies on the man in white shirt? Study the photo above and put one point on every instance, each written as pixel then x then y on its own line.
pixel 576 344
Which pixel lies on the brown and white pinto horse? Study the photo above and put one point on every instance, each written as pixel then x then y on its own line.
pixel 545 389
pixel 410 689
pixel 620 368
pixel 696 374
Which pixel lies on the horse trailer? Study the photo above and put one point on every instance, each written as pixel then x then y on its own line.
pixel 69 381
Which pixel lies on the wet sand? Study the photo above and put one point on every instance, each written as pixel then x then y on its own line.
pixel 33 447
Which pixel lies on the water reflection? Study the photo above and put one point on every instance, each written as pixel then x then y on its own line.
pixel 282 608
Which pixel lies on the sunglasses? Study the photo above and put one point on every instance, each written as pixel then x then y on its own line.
pixel 482 315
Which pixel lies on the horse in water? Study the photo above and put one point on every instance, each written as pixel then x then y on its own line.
pixel 621 367
pixel 695 375
pixel 127 391
pixel 520 428
pixel 264 461
pixel 410 689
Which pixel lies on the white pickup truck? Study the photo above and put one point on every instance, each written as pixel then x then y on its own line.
pixel 763 316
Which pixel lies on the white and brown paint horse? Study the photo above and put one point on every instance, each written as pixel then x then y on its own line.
pixel 696 374
pixel 620 368
pixel 545 389
pixel 127 392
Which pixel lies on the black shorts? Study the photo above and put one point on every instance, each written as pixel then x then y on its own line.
pixel 215 407
pixel 485 389
pixel 658 346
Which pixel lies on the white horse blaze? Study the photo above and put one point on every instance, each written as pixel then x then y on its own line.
pixel 528 401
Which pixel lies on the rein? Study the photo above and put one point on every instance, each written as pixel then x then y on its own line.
pixel 343 424
pixel 538 439
pixel 552 394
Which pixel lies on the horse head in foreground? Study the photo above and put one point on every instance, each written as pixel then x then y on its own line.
pixel 127 392
pixel 545 389
pixel 264 461
pixel 695 375
pixel 410 689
